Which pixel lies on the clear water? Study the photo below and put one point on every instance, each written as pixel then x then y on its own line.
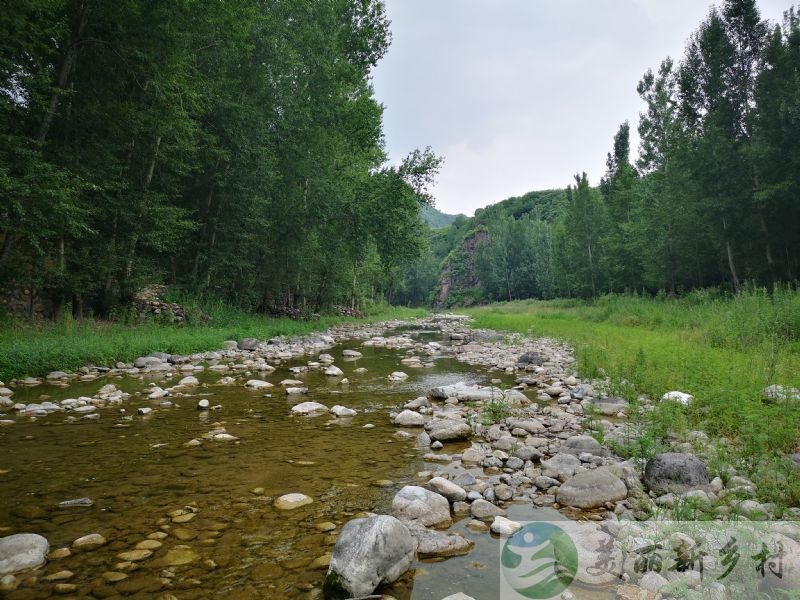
pixel 137 471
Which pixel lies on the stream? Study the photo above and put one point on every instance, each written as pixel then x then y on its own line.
pixel 203 514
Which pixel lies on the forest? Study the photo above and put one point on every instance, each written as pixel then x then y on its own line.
pixel 710 201
pixel 231 150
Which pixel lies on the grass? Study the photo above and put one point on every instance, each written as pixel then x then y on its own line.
pixel 722 350
pixel 36 349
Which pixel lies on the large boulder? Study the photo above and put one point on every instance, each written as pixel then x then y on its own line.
pixel 448 430
pixel 676 473
pixel 561 465
pixel 578 444
pixel 438 544
pixel 22 551
pixel 409 418
pixel 448 489
pixel 248 344
pixel 369 552
pixel 610 405
pixel 414 503
pixel 592 489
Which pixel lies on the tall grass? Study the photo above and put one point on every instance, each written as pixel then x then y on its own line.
pixel 36 349
pixel 722 350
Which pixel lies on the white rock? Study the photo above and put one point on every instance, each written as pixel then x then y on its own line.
pixel 333 371
pixel 398 376
pixel 342 411
pixel 258 384
pixel 292 501
pixel 503 526
pixel 409 418
pixel 305 408
pixel 22 551
pixel 680 397
pixel 189 381
pixel 203 404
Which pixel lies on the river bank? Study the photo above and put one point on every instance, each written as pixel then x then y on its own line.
pixel 37 349
pixel 239 471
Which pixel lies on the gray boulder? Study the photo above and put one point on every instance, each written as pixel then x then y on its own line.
pixel 448 489
pixel 409 418
pixel 610 406
pixel 561 465
pixel 530 358
pixel 248 344
pixel 485 510
pixel 578 444
pixel 438 544
pixel 22 551
pixel 414 503
pixel 592 489
pixel 448 430
pixel 676 473
pixel 369 552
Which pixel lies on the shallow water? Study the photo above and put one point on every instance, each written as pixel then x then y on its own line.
pixel 137 471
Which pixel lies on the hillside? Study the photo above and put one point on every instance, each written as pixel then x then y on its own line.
pixel 454 269
pixel 435 218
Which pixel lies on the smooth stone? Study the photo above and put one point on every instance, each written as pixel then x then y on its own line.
pixel 135 555
pixel 179 555
pixel 89 542
pixel 343 411
pixel 503 526
pixel 292 501
pixel 448 489
pixel 369 552
pixel 415 503
pixel 483 509
pixel 307 408
pixel 22 551
pixel 409 418
pixel 676 473
pixel 592 489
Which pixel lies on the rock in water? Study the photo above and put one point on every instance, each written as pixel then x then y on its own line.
pixel 415 503
pixel 22 551
pixel 292 501
pixel 308 408
pixel 409 418
pixel 591 489
pixel 368 552
pixel 676 473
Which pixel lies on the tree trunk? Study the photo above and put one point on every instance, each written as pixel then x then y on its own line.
pixel 9 241
pixel 591 269
pixel 737 286
pixel 66 68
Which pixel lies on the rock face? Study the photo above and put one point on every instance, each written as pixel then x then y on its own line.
pixel 675 473
pixel 414 503
pixel 592 489
pixel 22 551
pixel 368 552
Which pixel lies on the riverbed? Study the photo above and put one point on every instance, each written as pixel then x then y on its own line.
pixel 207 509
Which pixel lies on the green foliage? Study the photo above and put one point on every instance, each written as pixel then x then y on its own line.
pixel 723 350
pixel 436 219
pixel 234 149
pixel 67 345
pixel 708 203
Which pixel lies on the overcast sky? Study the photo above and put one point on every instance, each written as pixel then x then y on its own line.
pixel 519 95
